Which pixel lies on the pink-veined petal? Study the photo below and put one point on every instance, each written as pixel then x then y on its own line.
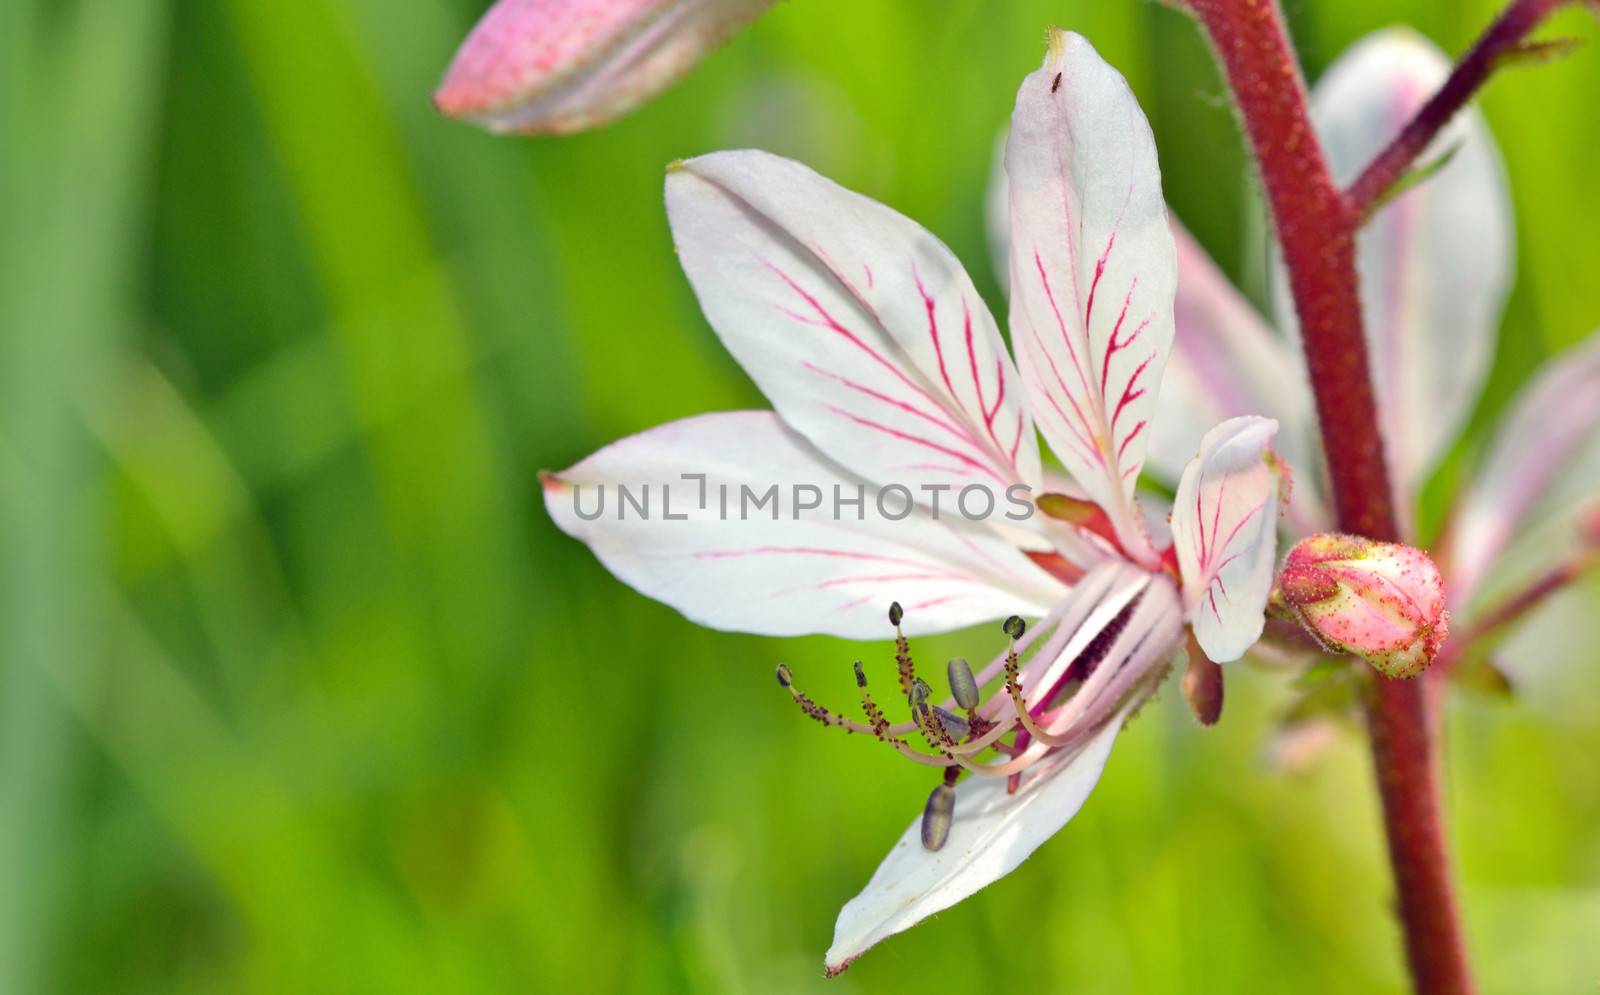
pixel 859 325
pixel 1543 461
pixel 553 66
pixel 743 563
pixel 1435 264
pixel 1093 271
pixel 992 833
pixel 1226 362
pixel 1224 529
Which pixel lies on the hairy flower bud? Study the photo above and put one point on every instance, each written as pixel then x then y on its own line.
pixel 1381 601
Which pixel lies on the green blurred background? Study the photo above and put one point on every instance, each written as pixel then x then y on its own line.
pixel 300 690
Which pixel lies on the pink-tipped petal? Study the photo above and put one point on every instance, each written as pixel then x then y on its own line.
pixel 778 567
pixel 1544 461
pixel 1093 271
pixel 554 66
pixel 1435 264
pixel 1224 529
pixel 859 325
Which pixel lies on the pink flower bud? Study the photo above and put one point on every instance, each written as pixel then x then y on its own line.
pixel 1380 601
pixel 553 66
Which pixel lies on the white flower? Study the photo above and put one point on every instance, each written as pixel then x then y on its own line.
pixel 886 372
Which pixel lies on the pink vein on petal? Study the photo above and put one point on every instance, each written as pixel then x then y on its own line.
pixel 1083 438
pixel 1000 396
pixel 886 399
pixel 831 323
pixel 1129 394
pixel 933 332
pixel 844 554
pixel 1216 515
pixel 1099 270
pixel 1077 435
pixel 1066 335
pixel 1112 345
pixel 916 440
pixel 1125 443
pixel 881 578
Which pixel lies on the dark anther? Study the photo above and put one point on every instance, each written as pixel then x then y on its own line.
pixel 785 678
pixel 861 676
pixel 937 816
pixel 920 692
pixel 896 613
pixel 953 724
pixel 962 683
pixel 1015 627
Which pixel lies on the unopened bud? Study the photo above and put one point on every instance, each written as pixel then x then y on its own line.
pixel 554 66
pixel 1015 627
pixel 962 684
pixel 1381 601
pixel 937 816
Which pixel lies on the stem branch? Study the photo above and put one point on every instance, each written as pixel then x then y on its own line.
pixel 1514 607
pixel 1502 38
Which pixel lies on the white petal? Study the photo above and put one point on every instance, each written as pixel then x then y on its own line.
pixel 1224 528
pixel 778 568
pixel 1544 459
pixel 992 833
pixel 1093 271
pixel 861 327
pixel 1435 264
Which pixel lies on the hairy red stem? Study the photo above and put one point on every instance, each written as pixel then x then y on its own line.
pixel 1316 229
pixel 1503 37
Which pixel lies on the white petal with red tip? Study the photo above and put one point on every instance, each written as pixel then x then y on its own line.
pixel 1093 270
pixel 1224 529
pixel 993 832
pixel 535 66
pixel 1435 264
pixel 859 325
pixel 1543 462
pixel 731 565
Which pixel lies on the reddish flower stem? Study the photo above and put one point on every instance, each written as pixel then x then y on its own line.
pixel 1316 229
pixel 1502 38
